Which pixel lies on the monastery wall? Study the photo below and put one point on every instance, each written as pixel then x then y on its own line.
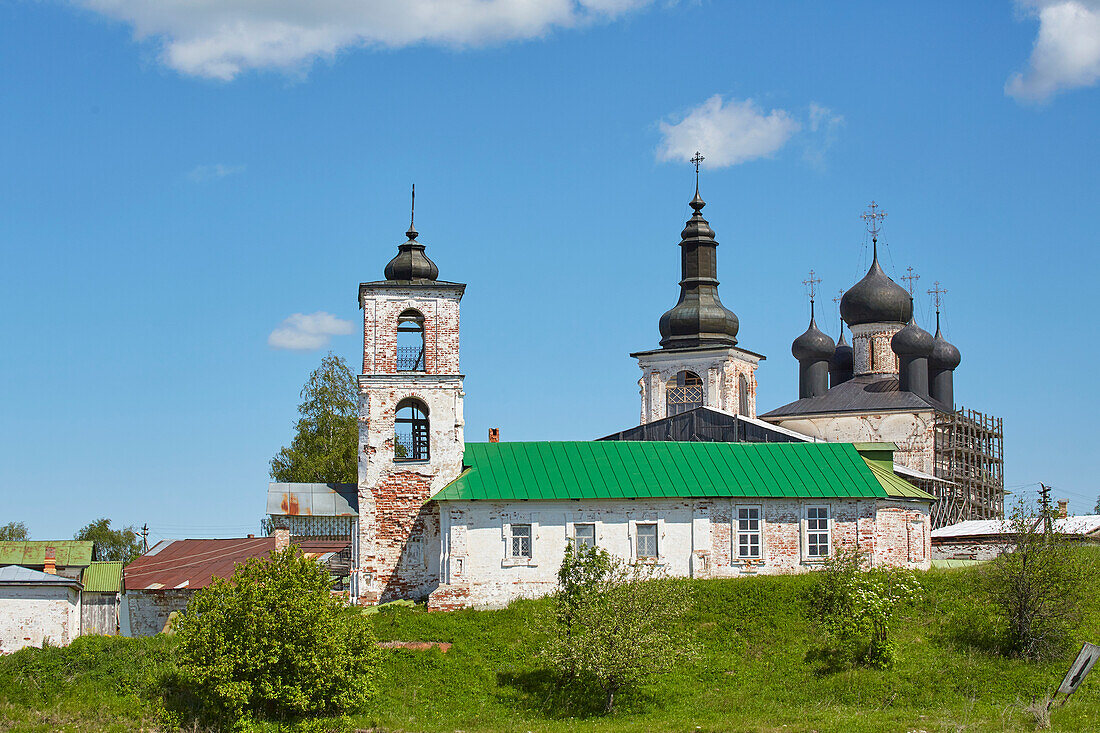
pixel 695 539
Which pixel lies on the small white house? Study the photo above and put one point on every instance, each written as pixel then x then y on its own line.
pixel 37 607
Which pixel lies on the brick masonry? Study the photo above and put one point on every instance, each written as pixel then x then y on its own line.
pixel 720 370
pixel 398 549
pixel 31 614
pixel 874 338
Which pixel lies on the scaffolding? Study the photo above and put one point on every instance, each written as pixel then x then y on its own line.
pixel 969 454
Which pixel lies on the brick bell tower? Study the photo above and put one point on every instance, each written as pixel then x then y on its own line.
pixel 410 423
pixel 699 363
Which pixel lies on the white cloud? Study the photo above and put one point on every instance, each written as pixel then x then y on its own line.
pixel 1066 52
pixel 726 133
pixel 823 129
pixel 217 170
pixel 222 38
pixel 301 332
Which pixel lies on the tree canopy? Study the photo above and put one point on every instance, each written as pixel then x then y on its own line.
pixel 14 531
pixel 327 434
pixel 111 544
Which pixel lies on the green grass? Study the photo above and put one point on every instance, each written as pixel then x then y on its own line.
pixel 752 673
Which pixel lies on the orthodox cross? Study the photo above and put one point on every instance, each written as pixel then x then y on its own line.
pixel 911 278
pixel 873 219
pixel 836 302
pixel 937 294
pixel 812 284
pixel 697 159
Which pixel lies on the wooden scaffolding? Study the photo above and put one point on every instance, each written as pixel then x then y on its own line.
pixel 969 453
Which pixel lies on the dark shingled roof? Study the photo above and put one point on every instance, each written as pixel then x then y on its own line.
pixel 865 393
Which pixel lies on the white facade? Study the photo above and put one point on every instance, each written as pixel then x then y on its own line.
pixel 914 433
pixel 31 614
pixel 483 562
pixel 728 375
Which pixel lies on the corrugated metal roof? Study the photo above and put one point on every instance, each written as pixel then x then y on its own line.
pixel 1085 524
pixel 17 575
pixel 319 500
pixel 103 577
pixel 629 470
pixel 894 485
pixel 33 552
pixel 866 393
pixel 195 563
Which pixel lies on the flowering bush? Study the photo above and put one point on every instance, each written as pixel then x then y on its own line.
pixel 855 607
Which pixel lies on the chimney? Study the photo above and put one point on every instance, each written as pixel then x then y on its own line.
pixel 494 435
pixel 51 561
pixel 1063 508
pixel 251 536
pixel 282 539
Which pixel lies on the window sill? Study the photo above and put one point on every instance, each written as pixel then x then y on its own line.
pixel 518 562
pixel 414 461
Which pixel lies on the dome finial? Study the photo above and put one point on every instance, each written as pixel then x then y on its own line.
pixel 811 284
pixel 937 294
pixel 872 218
pixel 412 233
pixel 697 203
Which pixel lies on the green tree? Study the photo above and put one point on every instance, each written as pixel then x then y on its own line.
pixel 1096 509
pixel 615 623
pixel 14 531
pixel 325 445
pixel 273 642
pixel 1036 586
pixel 111 544
pixel 855 608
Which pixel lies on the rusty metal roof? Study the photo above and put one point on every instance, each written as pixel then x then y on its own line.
pixel 195 563
pixel 318 500
pixel 69 553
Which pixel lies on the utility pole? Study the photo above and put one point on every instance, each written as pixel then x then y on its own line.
pixel 1044 503
pixel 144 538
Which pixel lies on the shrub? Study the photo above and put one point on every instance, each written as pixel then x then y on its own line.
pixel 855 608
pixel 273 641
pixel 1036 587
pixel 614 623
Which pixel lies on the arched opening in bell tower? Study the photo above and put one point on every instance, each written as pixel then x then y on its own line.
pixel 410 341
pixel 411 440
pixel 682 393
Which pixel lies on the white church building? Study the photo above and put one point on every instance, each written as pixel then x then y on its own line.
pixel 479 524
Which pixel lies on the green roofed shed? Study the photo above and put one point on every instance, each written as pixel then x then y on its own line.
pixel 103 577
pixel 548 471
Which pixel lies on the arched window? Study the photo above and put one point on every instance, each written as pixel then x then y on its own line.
pixel 742 395
pixel 410 341
pixel 682 393
pixel 411 435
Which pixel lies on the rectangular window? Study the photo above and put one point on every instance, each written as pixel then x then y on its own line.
pixel 521 540
pixel 584 534
pixel 647 540
pixel 748 532
pixel 817 531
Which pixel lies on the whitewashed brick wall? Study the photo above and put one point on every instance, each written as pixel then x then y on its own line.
pixel 29 614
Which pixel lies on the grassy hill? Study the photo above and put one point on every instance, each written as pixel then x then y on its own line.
pixel 756 671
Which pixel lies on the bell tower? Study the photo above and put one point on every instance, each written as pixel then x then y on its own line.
pixel 410 423
pixel 699 363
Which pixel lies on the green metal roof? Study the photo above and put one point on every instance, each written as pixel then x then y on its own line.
pixel 655 469
pixel 895 485
pixel 33 552
pixel 103 577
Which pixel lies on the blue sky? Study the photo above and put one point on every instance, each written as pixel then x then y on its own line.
pixel 171 191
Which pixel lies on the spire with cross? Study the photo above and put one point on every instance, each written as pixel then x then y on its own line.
pixel 697 159
pixel 811 284
pixel 412 233
pixel 911 278
pixel 937 294
pixel 836 302
pixel 873 218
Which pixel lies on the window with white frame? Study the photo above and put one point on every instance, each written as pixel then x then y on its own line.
pixel 646 541
pixel 748 533
pixel 585 534
pixel 817 531
pixel 520 541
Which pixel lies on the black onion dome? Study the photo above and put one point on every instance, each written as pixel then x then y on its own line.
pixel 813 344
pixel 912 341
pixel 875 299
pixel 411 263
pixel 698 318
pixel 841 360
pixel 944 353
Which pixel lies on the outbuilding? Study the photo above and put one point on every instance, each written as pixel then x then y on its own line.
pixel 37 608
